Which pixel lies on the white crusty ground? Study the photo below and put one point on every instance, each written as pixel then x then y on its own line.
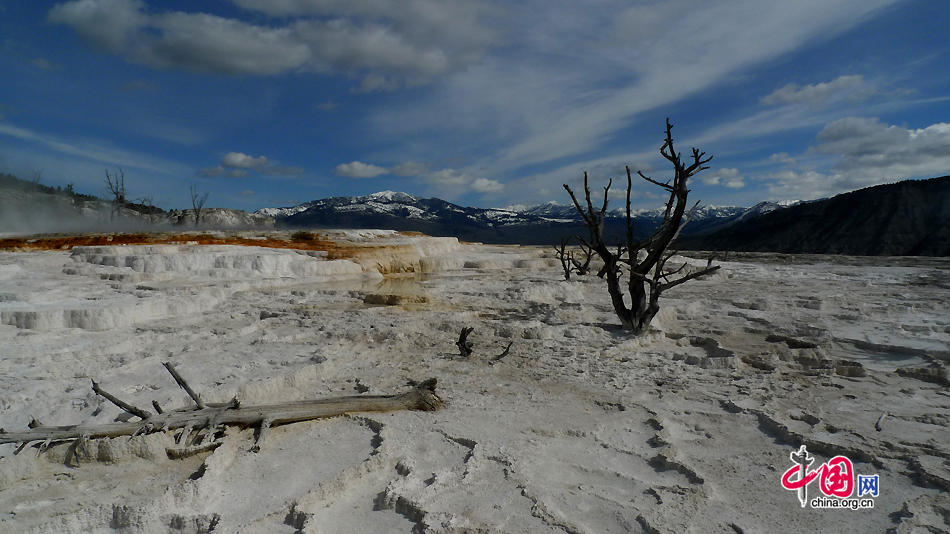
pixel 580 429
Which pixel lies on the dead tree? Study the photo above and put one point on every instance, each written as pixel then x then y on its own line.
pixel 566 258
pixel 35 183
pixel 206 421
pixel 198 203
pixel 645 260
pixel 116 185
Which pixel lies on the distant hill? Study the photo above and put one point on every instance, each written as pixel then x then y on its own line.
pixel 909 218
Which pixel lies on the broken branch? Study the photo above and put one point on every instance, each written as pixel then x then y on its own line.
pixel 498 358
pixel 138 412
pixel 464 345
pixel 184 385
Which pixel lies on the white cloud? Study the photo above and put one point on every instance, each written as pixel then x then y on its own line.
pixel 446 177
pixel 104 24
pixel 237 164
pixel 814 94
pixel 484 185
pixel 782 157
pixel 727 177
pixel 387 44
pixel 806 185
pixel 358 169
pixel 869 153
pixel 873 152
pixel 238 159
pixel 452 183
pixel 207 43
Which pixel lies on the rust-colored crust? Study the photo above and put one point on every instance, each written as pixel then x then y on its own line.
pixel 285 240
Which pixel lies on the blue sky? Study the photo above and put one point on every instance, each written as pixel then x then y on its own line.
pixel 266 103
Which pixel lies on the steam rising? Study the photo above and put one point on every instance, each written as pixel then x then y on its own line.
pixel 36 212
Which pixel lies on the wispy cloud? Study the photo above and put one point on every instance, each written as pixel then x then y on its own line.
pixel 819 93
pixel 93 150
pixel 569 83
pixel 359 169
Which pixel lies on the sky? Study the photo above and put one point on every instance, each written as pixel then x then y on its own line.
pixel 270 103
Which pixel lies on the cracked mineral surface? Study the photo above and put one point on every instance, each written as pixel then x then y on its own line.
pixel 579 428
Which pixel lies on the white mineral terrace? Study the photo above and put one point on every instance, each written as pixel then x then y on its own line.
pixel 580 428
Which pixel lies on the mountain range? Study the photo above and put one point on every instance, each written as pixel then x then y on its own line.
pixel 908 218
pixel 545 224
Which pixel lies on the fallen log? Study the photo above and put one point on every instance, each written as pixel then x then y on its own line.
pixel 212 417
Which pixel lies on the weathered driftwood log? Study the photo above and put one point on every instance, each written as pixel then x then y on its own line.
pixel 212 416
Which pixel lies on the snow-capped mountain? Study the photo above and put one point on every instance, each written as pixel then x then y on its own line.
pixel 551 210
pixel 541 224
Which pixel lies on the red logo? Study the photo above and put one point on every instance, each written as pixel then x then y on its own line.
pixel 835 477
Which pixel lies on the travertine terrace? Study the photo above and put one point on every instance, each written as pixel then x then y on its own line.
pixel 580 428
